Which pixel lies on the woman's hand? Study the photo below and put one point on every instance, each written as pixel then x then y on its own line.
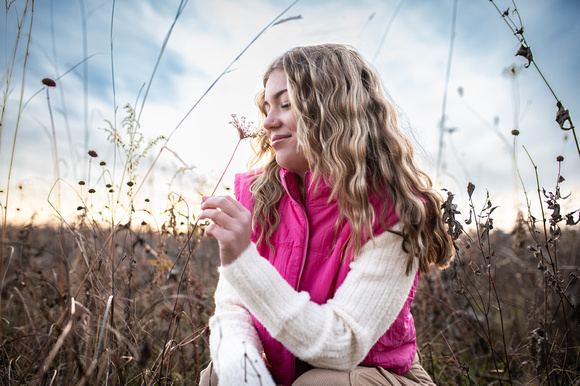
pixel 232 225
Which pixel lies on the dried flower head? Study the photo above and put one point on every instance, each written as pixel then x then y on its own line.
pixel 91 190
pixel 515 132
pixel 559 158
pixel 48 82
pixel 93 153
pixel 81 183
pixel 244 128
pixel 103 163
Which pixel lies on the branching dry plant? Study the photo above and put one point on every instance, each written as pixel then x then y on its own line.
pixel 507 309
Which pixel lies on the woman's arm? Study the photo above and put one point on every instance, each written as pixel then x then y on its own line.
pixel 339 333
pixel 235 346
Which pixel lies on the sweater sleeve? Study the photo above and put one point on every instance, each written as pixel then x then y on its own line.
pixel 337 334
pixel 235 346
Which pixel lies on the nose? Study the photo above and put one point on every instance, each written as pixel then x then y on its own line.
pixel 272 121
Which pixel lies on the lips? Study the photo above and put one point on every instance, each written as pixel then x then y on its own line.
pixel 277 138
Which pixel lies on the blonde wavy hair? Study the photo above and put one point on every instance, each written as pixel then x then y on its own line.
pixel 348 130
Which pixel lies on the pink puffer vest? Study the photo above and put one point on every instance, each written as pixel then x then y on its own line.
pixel 302 241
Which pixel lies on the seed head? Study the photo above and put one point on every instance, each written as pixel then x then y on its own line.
pixel 103 163
pixel 147 200
pixel 130 183
pixel 559 158
pixel 515 132
pixel 81 183
pixel 91 190
pixel 108 186
pixel 244 128
pixel 48 82
pixel 93 153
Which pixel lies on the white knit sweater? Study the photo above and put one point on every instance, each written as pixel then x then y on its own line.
pixel 335 335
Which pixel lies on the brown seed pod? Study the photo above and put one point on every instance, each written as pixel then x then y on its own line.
pixel 48 82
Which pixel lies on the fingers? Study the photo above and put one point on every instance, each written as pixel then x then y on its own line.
pixel 226 204
pixel 231 225
pixel 224 211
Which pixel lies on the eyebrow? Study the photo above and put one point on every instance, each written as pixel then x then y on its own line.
pixel 276 96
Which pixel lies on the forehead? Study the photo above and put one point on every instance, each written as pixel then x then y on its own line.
pixel 275 84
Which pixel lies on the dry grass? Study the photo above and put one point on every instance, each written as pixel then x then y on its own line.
pixel 458 340
pixel 58 325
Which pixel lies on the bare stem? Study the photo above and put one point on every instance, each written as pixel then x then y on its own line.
pixel 227 166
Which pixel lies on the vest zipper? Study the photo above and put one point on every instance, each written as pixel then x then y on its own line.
pixel 302 206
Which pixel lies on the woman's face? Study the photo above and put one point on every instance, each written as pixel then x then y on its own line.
pixel 280 125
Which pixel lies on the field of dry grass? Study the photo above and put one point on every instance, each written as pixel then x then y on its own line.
pixel 91 304
pixel 98 300
pixel 88 304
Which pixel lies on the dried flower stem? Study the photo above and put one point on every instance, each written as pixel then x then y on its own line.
pixel 518 31
pixel 244 132
pixel 227 166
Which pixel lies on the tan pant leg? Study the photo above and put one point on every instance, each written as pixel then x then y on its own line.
pixel 208 377
pixel 366 376
pixel 417 373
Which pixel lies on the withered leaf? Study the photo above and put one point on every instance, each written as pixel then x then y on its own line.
pixel 562 116
pixel 470 189
pixel 526 52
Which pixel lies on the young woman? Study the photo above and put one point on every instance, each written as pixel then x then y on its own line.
pixel 322 247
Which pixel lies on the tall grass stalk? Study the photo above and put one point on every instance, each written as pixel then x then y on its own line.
pixel 24 68
pixel 211 86
pixel 442 127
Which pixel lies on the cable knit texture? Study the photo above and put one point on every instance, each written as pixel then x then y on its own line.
pixel 308 300
pixel 335 335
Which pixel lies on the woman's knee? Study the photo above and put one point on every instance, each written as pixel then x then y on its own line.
pixel 208 376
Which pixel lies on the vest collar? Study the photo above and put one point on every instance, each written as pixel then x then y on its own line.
pixel 313 195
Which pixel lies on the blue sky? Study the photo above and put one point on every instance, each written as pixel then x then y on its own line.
pixel 209 35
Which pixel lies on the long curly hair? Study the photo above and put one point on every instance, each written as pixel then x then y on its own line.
pixel 348 130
